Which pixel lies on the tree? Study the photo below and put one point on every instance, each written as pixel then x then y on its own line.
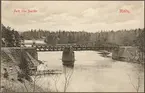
pixel 11 38
pixel 17 39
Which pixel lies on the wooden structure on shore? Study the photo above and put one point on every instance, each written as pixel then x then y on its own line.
pixel 45 72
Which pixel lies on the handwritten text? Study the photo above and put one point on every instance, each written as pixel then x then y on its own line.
pixel 25 11
pixel 124 11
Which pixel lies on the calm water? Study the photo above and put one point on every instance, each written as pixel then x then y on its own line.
pixel 92 73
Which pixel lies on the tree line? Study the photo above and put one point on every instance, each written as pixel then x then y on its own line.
pixel 120 37
pixel 10 37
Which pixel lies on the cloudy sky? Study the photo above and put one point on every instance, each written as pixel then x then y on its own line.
pixel 90 16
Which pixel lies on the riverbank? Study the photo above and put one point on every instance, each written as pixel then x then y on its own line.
pixel 128 54
pixel 15 67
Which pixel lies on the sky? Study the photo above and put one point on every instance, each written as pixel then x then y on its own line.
pixel 90 16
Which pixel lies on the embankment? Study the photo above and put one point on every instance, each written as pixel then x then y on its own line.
pixel 129 54
pixel 17 63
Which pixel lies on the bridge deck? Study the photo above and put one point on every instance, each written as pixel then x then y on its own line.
pixel 75 48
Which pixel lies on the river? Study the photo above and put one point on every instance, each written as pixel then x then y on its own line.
pixel 91 73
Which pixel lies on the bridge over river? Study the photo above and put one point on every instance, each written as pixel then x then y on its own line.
pixel 75 47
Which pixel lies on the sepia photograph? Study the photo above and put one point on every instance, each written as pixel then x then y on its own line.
pixel 72 46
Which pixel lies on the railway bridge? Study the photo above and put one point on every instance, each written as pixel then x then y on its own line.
pixel 75 47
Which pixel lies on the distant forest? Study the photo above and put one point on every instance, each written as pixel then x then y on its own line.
pixel 120 37
pixel 132 37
